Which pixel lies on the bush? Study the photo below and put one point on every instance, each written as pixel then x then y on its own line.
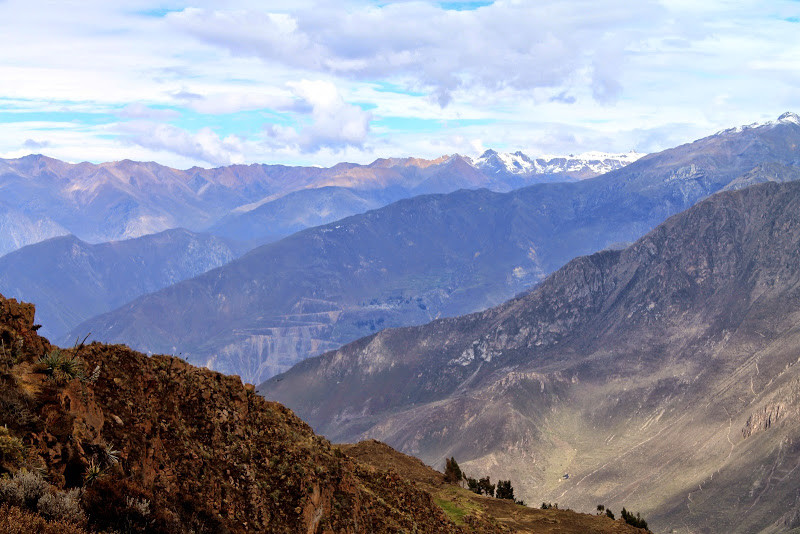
pixel 486 487
pixel 62 506
pixel 504 490
pixel 24 489
pixel 14 520
pixel 635 521
pixel 11 448
pixel 115 504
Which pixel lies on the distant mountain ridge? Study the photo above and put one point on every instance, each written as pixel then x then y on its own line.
pixel 429 256
pixel 44 197
pixel 75 280
pixel 664 376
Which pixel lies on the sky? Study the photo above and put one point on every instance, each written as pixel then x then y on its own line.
pixel 303 82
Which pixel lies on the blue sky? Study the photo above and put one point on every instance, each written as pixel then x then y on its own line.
pixel 314 83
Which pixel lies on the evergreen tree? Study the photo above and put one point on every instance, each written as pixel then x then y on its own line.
pixel 504 490
pixel 633 520
pixel 452 473
pixel 486 487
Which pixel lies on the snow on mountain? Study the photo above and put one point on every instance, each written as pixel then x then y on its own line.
pixel 786 118
pixel 583 165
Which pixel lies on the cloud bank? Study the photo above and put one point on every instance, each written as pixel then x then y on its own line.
pixel 318 82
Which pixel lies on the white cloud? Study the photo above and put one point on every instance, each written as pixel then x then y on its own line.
pixel 508 44
pixel 106 80
pixel 205 145
pixel 334 123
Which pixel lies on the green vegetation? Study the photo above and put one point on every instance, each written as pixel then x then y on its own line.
pixel 61 367
pixel 452 473
pixel 11 448
pixel 504 490
pixel 455 513
pixel 633 520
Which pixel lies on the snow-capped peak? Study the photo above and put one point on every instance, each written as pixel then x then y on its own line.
pixel 790 118
pixel 583 165
pixel 786 118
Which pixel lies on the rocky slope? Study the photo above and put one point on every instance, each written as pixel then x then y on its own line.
pixel 427 257
pixel 75 280
pixel 103 439
pixel 662 377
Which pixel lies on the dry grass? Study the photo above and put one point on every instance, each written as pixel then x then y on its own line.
pixel 15 520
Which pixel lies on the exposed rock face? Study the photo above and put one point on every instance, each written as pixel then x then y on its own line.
pixel 428 257
pixel 662 377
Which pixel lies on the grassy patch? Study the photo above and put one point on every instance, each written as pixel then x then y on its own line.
pixel 455 513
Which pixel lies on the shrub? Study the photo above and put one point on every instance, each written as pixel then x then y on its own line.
pixel 24 489
pixel 633 520
pixel 486 487
pixel 14 520
pixel 93 473
pixel 115 504
pixel 62 506
pixel 609 513
pixel 11 448
pixel 504 490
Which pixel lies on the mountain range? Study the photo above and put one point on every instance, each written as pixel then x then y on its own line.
pixel 664 375
pixel 45 197
pixel 429 256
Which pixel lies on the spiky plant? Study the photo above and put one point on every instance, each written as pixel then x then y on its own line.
pixel 93 473
pixel 111 456
pixel 61 367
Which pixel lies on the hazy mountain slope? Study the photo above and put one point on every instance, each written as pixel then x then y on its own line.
pixel 663 377
pixel 296 211
pixel 75 280
pixel 18 230
pixel 423 258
